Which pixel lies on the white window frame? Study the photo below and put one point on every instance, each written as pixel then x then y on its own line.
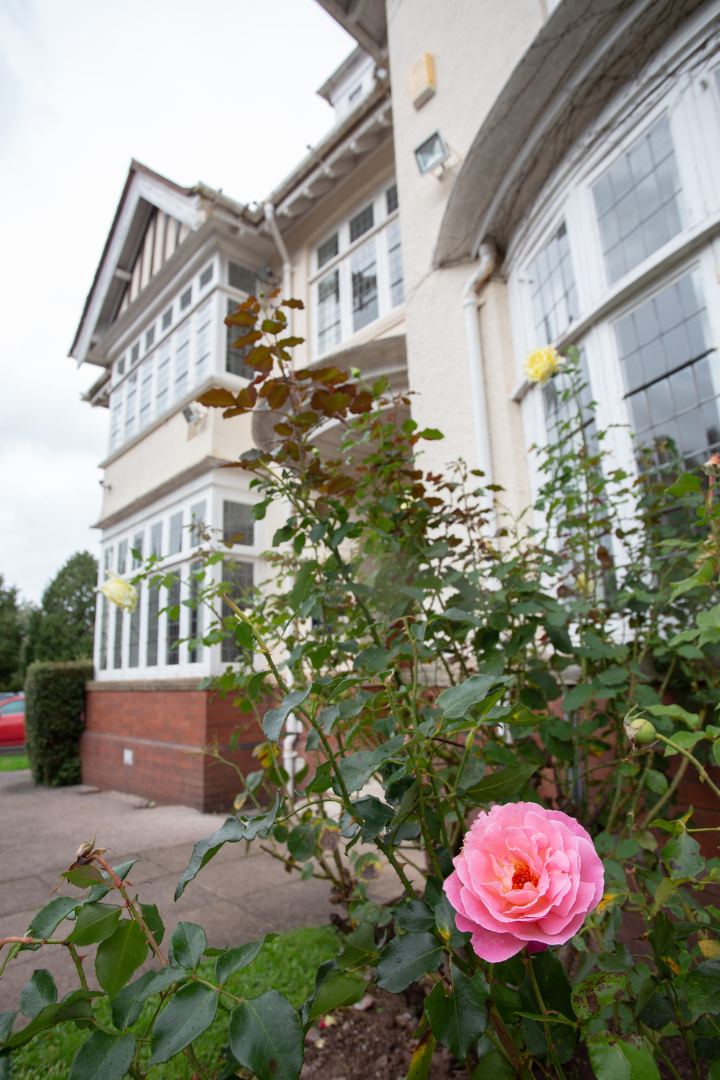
pixel 343 263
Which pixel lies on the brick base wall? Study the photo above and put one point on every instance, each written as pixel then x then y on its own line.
pixel 166 725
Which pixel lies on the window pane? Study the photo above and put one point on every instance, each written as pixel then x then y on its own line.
pixel 195 615
pixel 163 378
pixel 172 652
pixel 552 284
pixel 391 199
pixel 239 577
pixel 329 311
pixel 327 250
pixel 176 522
pixel 197 522
pixel 130 406
pixel 116 418
pixel 146 375
pixel 206 276
pixel 234 357
pixel 671 352
pixel 156 539
pixel 638 202
pixel 238 523
pixel 202 343
pixel 104 611
pixel 364 286
pixel 151 652
pixel 182 360
pixel 239 277
pixel 397 294
pixel 362 222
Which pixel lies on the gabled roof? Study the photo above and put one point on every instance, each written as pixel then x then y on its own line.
pixel 144 193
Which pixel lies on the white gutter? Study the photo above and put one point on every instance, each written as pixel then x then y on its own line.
pixel 470 302
pixel 284 255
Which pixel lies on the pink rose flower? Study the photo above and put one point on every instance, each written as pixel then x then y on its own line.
pixel 525 876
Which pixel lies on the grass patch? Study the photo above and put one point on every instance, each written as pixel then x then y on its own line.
pixel 287 964
pixel 10 762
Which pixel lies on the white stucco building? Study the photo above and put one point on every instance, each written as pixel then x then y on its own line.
pixel 501 174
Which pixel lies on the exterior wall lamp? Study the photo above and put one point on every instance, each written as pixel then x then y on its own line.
pixel 431 154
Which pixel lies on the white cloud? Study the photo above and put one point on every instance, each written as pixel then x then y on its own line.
pixel 222 92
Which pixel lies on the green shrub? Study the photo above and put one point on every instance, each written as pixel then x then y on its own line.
pixel 54 720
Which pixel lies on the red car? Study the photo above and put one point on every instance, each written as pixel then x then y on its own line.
pixel 12 721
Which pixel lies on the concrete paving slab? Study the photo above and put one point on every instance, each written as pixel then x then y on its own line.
pixel 236 898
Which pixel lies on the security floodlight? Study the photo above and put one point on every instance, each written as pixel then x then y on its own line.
pixel 431 153
pixel 190 415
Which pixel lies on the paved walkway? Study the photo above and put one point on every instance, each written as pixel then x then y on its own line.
pixel 236 898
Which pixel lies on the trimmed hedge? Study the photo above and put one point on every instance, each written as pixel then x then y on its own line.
pixel 54 720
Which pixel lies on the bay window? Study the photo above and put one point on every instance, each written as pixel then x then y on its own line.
pixel 358 276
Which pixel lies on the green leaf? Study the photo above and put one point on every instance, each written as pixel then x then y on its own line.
pixel 357 769
pixel 161 981
pixel 415 916
pixel 682 857
pixel 501 784
pixel 685 482
pixel 7 1019
pixel 119 956
pixel 302 842
pixel 49 1017
pixel 691 719
pixel 187 945
pixel 493 1066
pixel 458 1020
pixel 154 923
pixel 84 877
pixel 421 1060
pixel 244 634
pixel 577 697
pixel 701 993
pixel 6 1065
pixel 374 814
pixel 187 1015
pixel 359 949
pixel 125 1006
pixel 321 781
pixel 430 433
pixel 662 940
pixel 458 615
pixel 626 1058
pixel 236 959
pixel 406 959
pixel 456 701
pixel 49 917
pixel 230 832
pixel 103 1057
pixel 338 990
pixel 38 993
pixel 95 922
pixel 685 739
pixel 596 992
pixel 266 1037
pixel 327 717
pixel 274 719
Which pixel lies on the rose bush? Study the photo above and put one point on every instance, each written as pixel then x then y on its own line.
pixel 386 585
pixel 525 875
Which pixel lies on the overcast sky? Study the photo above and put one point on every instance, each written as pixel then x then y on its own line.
pixel 222 92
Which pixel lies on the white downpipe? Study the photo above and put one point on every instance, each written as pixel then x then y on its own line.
pixel 284 255
pixel 293 727
pixel 470 303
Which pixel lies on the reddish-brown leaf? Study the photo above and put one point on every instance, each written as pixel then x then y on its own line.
pixel 273 326
pixel 241 318
pixel 328 375
pixel 340 483
pixel 246 339
pixel 294 304
pixel 335 403
pixel 306 419
pixel 278 395
pixel 247 397
pixel 290 342
pixel 362 403
pixel 283 429
pixel 217 398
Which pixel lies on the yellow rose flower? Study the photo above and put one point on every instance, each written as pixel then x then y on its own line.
pixel 119 591
pixel 541 364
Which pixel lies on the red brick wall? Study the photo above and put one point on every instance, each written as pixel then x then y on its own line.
pixel 166 728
